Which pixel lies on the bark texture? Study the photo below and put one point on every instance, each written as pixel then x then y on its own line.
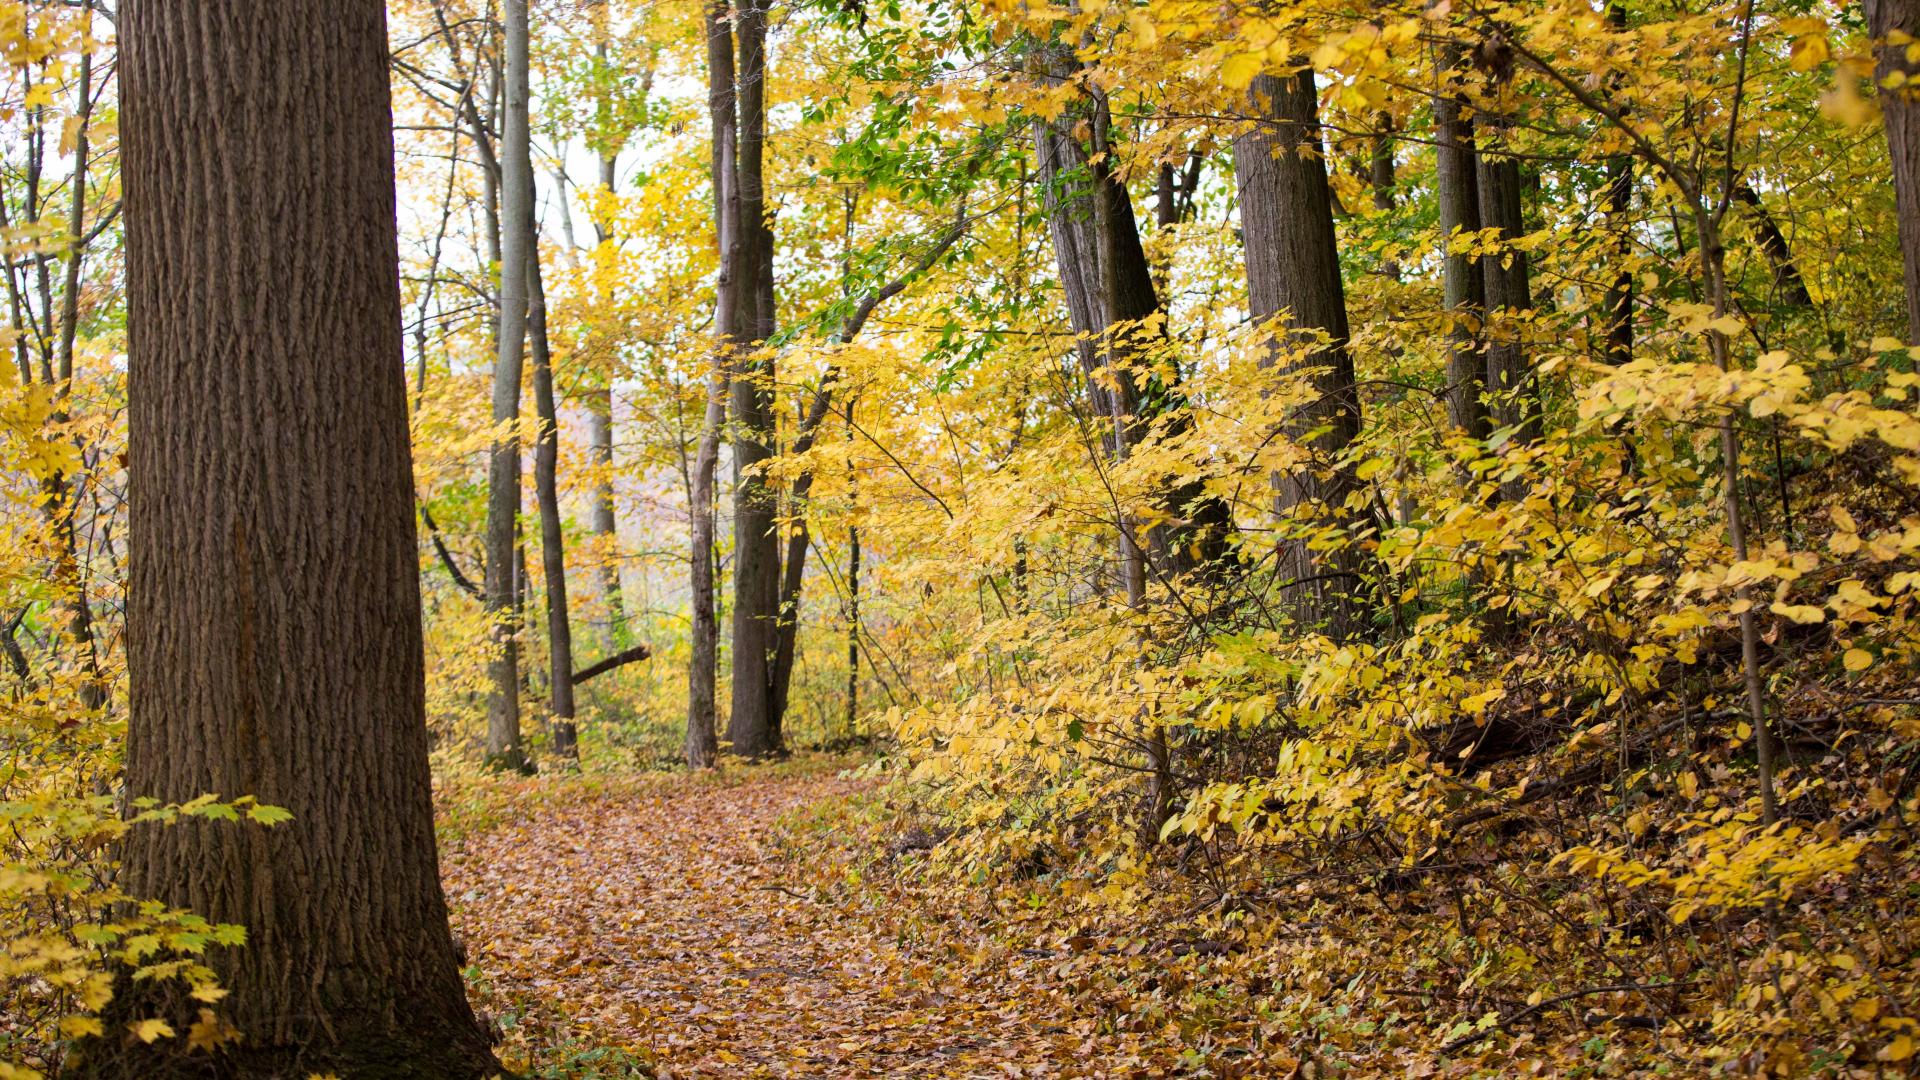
pixel 1293 282
pixel 274 595
pixel 1900 108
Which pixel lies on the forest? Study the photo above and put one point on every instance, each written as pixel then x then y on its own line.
pixel 1232 539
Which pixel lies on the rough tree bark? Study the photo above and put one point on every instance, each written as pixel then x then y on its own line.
pixel 703 663
pixel 274 598
pixel 1293 275
pixel 753 727
pixel 1900 108
pixel 504 747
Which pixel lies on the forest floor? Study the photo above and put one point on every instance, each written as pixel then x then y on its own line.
pixel 686 926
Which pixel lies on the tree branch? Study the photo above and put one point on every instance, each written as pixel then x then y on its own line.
pixel 619 659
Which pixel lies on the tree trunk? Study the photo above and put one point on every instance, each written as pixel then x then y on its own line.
pixel 1458 194
pixel 62 492
pixel 1790 287
pixel 1293 275
pixel 753 728
pixel 853 628
pixel 1109 284
pixel 793 567
pixel 1713 257
pixel 1900 109
pixel 504 747
pixel 1380 176
pixel 553 553
pixel 602 521
pixel 703 663
pixel 1617 306
pixel 274 597
pixel 1509 295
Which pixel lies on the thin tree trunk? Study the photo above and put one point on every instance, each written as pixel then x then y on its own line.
pixel 1458 194
pixel 274 598
pixel 703 663
pixel 1900 110
pixel 1713 252
pixel 853 613
pixel 1617 307
pixel 553 554
pixel 1380 176
pixel 793 566
pixel 504 747
pixel 1293 273
pixel 61 505
pixel 602 521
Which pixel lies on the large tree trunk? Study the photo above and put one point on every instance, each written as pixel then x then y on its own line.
pixel 553 552
pixel 703 663
pixel 754 725
pixel 274 598
pixel 1900 108
pixel 1293 275
pixel 504 747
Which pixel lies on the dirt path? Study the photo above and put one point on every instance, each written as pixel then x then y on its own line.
pixel 660 921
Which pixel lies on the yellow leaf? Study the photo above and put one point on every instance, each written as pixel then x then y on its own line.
pixel 1900 1049
pixel 149 1030
pixel 79 1027
pixel 1809 52
pixel 1800 613
pixel 1240 69
pixel 1858 660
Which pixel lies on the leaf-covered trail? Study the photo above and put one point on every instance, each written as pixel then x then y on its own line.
pixel 661 920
